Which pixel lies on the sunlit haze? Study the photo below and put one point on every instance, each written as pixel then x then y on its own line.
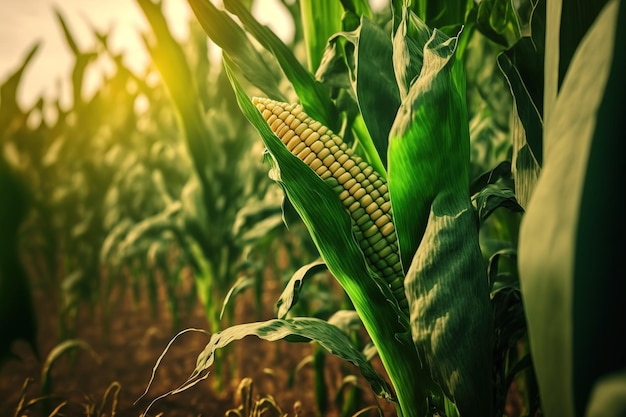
pixel 23 23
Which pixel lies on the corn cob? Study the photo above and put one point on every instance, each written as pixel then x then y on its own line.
pixel 360 188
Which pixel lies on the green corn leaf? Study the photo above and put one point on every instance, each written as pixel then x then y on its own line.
pixel 358 7
pixel 289 296
pixel 330 227
pixel 442 13
pixel 570 236
pixel 492 198
pixel 227 34
pixel 409 38
pixel 497 19
pixel 320 20
pixel 446 282
pixel 367 51
pixel 375 87
pixel 241 284
pixel 326 335
pixel 314 97
pixel 431 128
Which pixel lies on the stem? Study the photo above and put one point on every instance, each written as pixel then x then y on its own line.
pixel 396 350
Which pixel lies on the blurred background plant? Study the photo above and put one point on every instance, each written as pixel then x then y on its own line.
pixel 151 183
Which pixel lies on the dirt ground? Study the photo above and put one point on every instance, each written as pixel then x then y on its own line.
pixel 130 349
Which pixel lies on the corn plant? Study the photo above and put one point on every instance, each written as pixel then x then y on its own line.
pixel 385 193
pixel 91 165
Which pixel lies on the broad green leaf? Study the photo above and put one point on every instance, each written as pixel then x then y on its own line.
pixel 314 97
pixel 330 228
pixel 446 282
pixel 566 244
pixel 429 144
pixel 227 34
pixel 289 296
pixel 451 317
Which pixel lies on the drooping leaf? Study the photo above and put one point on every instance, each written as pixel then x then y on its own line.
pixel 326 335
pixel 289 296
pixel 54 355
pixel 241 284
pixel 409 38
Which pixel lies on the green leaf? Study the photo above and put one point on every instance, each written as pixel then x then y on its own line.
pixel 608 397
pixel 289 296
pixel 241 284
pixel 451 323
pixel 492 198
pixel 326 335
pixel 314 97
pixel 367 54
pixel 442 13
pixel 497 19
pixel 569 235
pixel 320 20
pixel 375 87
pixel 409 39
pixel 429 143
pixel 227 34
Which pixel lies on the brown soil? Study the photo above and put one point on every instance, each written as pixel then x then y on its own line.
pixel 127 352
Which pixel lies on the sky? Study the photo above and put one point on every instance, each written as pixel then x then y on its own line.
pixel 25 22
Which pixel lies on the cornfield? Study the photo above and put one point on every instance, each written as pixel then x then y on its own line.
pixel 410 200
